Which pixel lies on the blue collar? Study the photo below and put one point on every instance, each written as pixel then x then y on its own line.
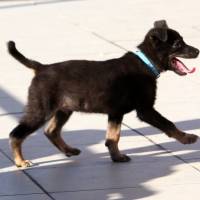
pixel 148 63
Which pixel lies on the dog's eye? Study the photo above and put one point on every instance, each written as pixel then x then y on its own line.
pixel 177 45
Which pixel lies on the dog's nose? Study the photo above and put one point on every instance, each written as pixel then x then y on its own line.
pixel 197 51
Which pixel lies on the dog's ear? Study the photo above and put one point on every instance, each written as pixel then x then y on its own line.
pixel 160 24
pixel 160 34
pixel 160 30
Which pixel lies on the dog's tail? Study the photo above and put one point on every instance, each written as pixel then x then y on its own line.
pixel 36 66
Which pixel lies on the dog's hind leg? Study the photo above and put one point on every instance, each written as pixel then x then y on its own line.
pixel 112 139
pixel 53 133
pixel 27 125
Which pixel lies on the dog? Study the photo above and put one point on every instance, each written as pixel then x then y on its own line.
pixel 113 87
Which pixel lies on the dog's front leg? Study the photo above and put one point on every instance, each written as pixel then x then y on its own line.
pixel 154 118
pixel 112 139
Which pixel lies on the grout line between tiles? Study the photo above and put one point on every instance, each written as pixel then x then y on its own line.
pixel 97 189
pixel 29 176
pixel 13 195
pixel 114 188
pixel 109 41
pixel 11 113
pixel 99 36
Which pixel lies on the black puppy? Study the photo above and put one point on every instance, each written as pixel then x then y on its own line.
pixel 113 87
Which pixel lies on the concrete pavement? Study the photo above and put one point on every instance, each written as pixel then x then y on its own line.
pixel 51 31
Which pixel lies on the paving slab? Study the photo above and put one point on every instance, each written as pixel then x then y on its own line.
pixel 104 176
pixel 14 182
pixel 178 192
pixel 26 197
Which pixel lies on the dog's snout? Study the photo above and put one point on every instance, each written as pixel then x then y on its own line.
pixel 192 52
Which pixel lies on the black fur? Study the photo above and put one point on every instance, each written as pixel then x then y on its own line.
pixel 114 87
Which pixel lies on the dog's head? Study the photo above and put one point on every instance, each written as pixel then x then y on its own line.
pixel 164 45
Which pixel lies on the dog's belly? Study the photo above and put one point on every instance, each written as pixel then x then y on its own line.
pixel 80 104
pixel 100 106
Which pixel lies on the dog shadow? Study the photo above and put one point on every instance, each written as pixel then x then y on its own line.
pixel 100 177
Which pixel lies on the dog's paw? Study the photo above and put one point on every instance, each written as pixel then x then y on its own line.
pixel 24 164
pixel 188 139
pixel 72 152
pixel 120 158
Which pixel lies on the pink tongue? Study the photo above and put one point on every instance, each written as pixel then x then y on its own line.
pixel 183 68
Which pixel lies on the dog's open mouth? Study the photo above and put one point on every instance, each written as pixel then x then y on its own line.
pixel 180 68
